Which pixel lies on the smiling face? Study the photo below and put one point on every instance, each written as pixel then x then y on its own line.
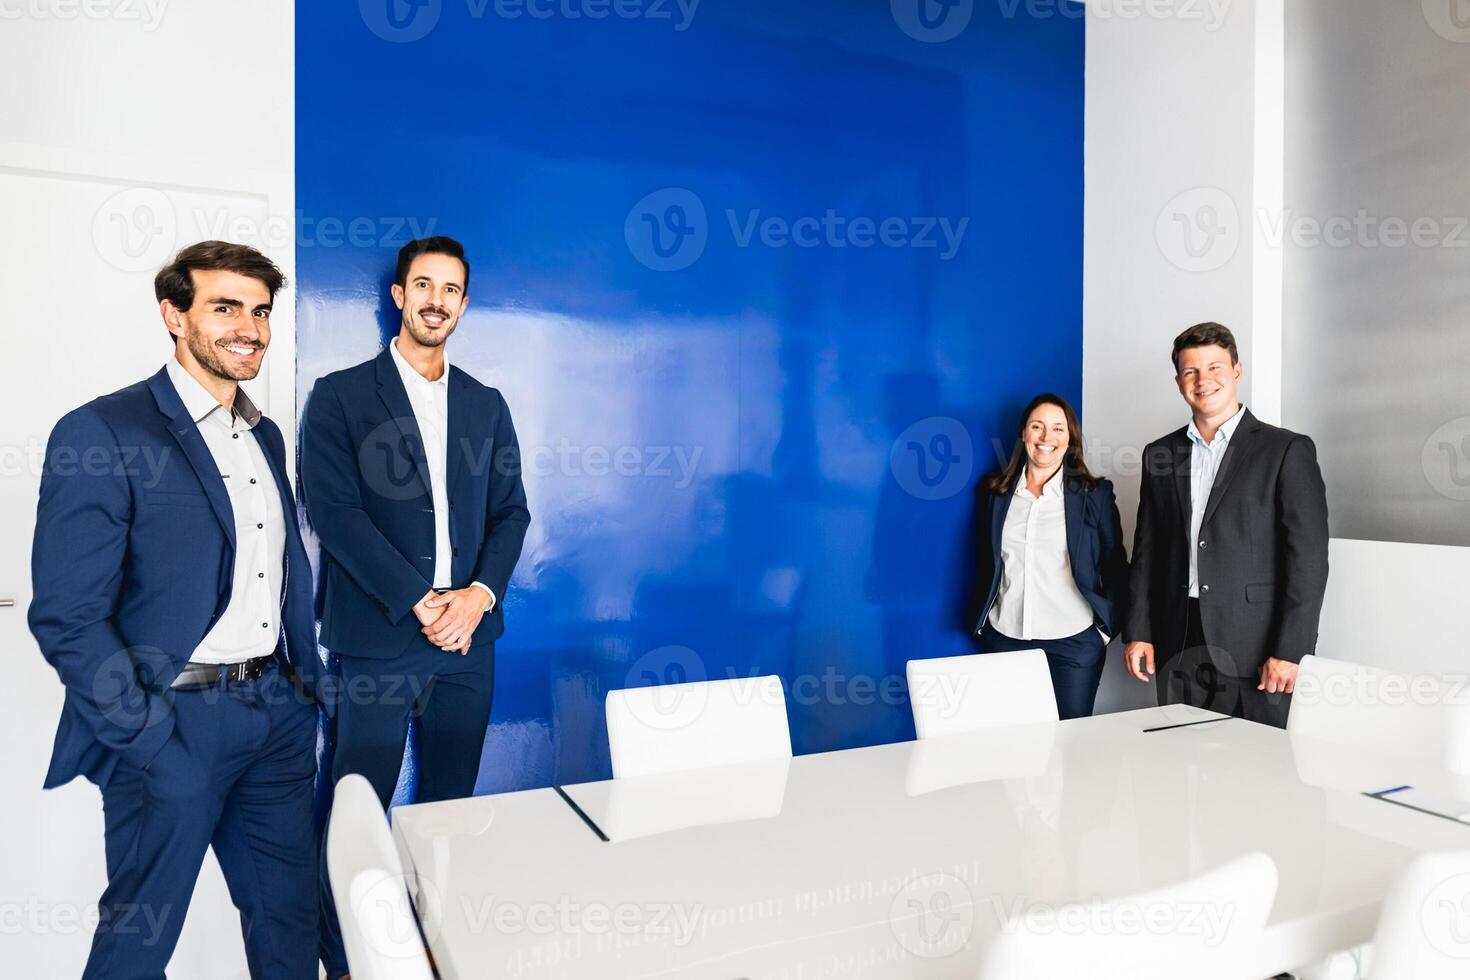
pixel 432 298
pixel 1209 381
pixel 227 329
pixel 1046 437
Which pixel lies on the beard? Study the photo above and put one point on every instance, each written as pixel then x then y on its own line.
pixel 209 357
pixel 425 337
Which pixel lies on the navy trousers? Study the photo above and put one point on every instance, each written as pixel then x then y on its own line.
pixel 237 775
pixel 449 697
pixel 1075 662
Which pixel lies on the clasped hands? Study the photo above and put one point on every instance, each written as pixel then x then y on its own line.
pixel 1277 676
pixel 449 619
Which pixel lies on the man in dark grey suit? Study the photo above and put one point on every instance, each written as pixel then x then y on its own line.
pixel 1230 553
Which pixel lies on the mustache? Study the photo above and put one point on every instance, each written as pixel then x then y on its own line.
pixel 434 311
pixel 240 343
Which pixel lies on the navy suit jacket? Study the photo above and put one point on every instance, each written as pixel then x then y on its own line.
pixel 366 488
pixel 1094 545
pixel 133 562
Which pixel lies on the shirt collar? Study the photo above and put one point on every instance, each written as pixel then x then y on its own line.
pixel 1051 488
pixel 1223 435
pixel 409 373
pixel 200 404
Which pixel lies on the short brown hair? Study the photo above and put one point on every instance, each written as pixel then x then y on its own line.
pixel 175 281
pixel 1206 335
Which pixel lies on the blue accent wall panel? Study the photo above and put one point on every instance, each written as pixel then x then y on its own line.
pixel 764 284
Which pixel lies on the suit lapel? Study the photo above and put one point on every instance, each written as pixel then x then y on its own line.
pixel 186 432
pixel 1072 509
pixel 400 412
pixel 283 488
pixel 1183 454
pixel 1000 506
pixel 457 440
pixel 1235 454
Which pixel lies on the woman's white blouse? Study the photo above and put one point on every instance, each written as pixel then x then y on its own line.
pixel 1038 598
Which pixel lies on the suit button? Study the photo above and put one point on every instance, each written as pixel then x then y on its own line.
pixel 1204 588
pixel 1202 544
pixel 456 551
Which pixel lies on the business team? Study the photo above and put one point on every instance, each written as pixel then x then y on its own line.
pixel 176 604
pixel 1229 566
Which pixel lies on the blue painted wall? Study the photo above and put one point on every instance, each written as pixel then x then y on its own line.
pixel 763 285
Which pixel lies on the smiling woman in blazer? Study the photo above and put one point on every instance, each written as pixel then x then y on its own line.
pixel 1052 564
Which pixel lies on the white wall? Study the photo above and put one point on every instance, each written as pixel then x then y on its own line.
pixel 1184 174
pixel 1170 181
pixel 126 131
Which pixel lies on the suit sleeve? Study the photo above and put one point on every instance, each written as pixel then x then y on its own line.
pixel 1302 541
pixel 1137 625
pixel 1113 557
pixel 330 482
pixel 506 514
pixel 80 548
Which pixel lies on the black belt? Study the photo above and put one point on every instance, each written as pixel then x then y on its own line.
pixel 195 676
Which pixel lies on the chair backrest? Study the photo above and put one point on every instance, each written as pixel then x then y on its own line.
pixel 1418 716
pixel 1206 928
pixel 378 927
pixel 950 695
pixel 690 726
pixel 1424 926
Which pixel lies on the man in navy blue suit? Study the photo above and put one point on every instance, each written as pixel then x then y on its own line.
pixel 411 474
pixel 173 596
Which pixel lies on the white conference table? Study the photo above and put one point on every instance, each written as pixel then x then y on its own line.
pixel 903 860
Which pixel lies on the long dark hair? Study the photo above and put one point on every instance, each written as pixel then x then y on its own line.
pixel 1073 464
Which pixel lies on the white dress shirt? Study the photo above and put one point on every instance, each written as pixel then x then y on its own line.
pixel 1038 599
pixel 430 403
pixel 1204 464
pixel 251 622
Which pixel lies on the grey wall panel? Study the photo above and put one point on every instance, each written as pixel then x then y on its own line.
pixel 1377 237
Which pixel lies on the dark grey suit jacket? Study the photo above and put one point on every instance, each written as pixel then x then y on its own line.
pixel 1262 550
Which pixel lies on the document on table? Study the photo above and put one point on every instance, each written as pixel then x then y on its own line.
pixel 1433 803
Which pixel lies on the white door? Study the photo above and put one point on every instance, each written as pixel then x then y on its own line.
pixel 83 237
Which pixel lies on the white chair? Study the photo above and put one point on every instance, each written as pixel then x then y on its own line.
pixel 378 928
pixel 690 726
pixel 1206 928
pixel 1424 926
pixel 950 695
pixel 1397 714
